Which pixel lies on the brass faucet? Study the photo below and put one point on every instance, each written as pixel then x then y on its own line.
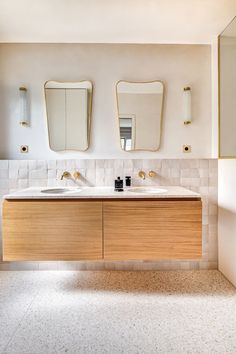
pixel 65 174
pixel 142 174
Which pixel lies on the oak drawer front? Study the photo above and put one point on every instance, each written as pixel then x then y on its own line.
pixel 52 230
pixel 152 230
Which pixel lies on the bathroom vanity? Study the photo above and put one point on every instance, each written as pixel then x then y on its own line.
pixel 96 223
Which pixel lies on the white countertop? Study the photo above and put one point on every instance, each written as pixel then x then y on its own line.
pixel 103 193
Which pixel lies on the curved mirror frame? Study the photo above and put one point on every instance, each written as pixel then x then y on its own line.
pixel 140 110
pixel 69 111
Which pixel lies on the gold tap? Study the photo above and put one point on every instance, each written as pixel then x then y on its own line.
pixel 142 174
pixel 65 174
pixel 152 174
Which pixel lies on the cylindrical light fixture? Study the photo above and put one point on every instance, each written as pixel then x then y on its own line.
pixel 24 107
pixel 187 109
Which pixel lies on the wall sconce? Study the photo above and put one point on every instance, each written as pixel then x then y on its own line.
pixel 187 111
pixel 24 107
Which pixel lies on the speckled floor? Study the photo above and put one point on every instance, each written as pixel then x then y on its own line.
pixel 117 312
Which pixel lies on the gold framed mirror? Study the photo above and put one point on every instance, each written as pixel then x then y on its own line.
pixel 140 110
pixel 69 110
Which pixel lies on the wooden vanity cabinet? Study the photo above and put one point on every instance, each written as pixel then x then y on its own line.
pixel 102 229
pixel 52 230
pixel 152 230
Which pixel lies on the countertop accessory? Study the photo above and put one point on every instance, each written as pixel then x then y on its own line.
pixel 127 181
pixel 119 185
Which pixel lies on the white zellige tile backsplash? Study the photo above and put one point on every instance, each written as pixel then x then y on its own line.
pixel 200 175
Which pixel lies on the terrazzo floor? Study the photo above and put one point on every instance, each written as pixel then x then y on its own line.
pixel 54 312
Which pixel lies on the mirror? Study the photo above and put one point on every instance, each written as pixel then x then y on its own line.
pixel 68 107
pixel 227 90
pixel 140 114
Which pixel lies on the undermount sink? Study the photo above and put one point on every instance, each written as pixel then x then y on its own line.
pixel 61 190
pixel 147 190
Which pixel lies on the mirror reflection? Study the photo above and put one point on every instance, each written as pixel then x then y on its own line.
pixel 68 108
pixel 227 87
pixel 140 114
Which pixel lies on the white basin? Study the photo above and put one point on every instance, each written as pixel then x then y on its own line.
pixel 147 190
pixel 61 190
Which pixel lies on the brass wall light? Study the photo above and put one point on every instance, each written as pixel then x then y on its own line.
pixel 187 106
pixel 24 107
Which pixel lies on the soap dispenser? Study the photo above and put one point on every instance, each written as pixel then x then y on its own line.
pixel 127 181
pixel 119 185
